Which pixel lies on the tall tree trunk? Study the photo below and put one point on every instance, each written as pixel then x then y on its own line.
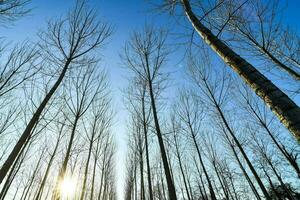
pixel 162 184
pixel 200 190
pixel 94 169
pixel 236 141
pixel 87 163
pixel 103 172
pixel 284 108
pixel 226 185
pixel 189 183
pixel 201 180
pixel 261 185
pixel 182 191
pixel 17 189
pixel 63 168
pixel 272 186
pixel 147 149
pixel 25 189
pixel 101 184
pixel 14 170
pixel 290 196
pixel 28 130
pixel 135 184
pixel 181 167
pixel 141 169
pixel 220 180
pixel 86 172
pixel 42 185
pixel 242 167
pixel 233 187
pixel 170 184
pixel 211 190
pixel 70 144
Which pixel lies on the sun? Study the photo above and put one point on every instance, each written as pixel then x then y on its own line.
pixel 67 187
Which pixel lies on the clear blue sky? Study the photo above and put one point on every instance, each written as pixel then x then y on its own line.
pixel 125 16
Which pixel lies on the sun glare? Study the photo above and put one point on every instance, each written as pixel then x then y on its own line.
pixel 67 187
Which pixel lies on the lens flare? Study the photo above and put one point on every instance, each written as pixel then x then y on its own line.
pixel 67 187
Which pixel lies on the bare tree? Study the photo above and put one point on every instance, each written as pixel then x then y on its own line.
pixel 261 148
pixel 264 120
pixel 190 113
pixel 129 184
pixel 178 153
pixel 83 88
pixel 145 55
pixel 139 108
pixel 49 164
pixel 21 158
pixel 282 106
pixel 216 93
pixel 66 43
pixel 99 125
pixel 106 188
pixel 34 173
pixel 210 144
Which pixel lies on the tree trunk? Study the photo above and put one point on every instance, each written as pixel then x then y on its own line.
pixel 147 149
pixel 141 169
pixel 290 196
pixel 242 168
pixel 220 180
pixel 181 167
pixel 201 180
pixel 236 141
pixel 10 178
pixel 261 185
pixel 170 184
pixel 86 170
pixel 211 190
pixel 28 130
pixel 102 176
pixel 94 169
pixel 42 185
pixel 63 169
pixel 14 170
pixel 233 187
pixel 284 108
pixel 270 182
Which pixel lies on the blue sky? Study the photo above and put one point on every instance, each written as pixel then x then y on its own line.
pixel 125 16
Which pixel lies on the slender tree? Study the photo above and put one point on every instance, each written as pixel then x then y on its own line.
pixel 52 156
pixel 282 106
pixel 66 42
pixel 99 125
pixel 190 115
pixel 216 95
pixel 83 89
pixel 145 55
